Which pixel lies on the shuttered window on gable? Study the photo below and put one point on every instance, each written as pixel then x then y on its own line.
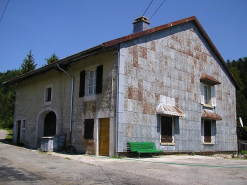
pixel 91 82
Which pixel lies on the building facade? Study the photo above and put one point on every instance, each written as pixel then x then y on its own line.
pixel 168 85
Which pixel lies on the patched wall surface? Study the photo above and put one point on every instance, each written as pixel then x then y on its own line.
pixel 30 105
pixel 170 63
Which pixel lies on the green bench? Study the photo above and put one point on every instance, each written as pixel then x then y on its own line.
pixel 143 147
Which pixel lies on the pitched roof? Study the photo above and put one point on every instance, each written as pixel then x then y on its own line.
pixel 117 41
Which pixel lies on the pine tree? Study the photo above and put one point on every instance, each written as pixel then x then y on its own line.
pixel 28 63
pixel 52 59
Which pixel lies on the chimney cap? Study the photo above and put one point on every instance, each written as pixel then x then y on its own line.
pixel 140 19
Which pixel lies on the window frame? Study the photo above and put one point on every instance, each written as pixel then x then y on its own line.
pixel 210 100
pixel 93 85
pixel 172 131
pixel 48 95
pixel 212 132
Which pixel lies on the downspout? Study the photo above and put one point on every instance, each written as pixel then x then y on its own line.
pixel 117 102
pixel 71 103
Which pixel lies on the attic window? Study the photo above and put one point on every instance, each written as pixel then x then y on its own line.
pixel 48 94
pixel 206 79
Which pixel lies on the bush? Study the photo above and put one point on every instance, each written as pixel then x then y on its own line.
pixel 243 152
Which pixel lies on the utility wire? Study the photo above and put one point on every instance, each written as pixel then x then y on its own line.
pixel 4 10
pixel 157 9
pixel 147 8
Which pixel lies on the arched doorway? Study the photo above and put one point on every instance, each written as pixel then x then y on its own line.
pixel 50 124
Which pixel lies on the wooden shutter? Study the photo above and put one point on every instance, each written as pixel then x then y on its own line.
pixel 202 93
pixel 88 129
pixel 207 131
pixel 213 98
pixel 82 84
pixel 166 129
pixel 99 79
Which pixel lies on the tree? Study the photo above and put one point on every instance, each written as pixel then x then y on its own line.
pixel 239 70
pixel 7 99
pixel 28 63
pixel 52 59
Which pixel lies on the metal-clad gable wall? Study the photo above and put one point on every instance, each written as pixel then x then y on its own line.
pixel 170 63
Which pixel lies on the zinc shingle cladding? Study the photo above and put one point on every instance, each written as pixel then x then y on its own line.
pixel 170 63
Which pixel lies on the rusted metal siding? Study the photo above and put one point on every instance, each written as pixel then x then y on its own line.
pixel 170 63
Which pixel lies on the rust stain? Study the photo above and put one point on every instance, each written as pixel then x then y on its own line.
pixel 157 98
pixel 143 52
pixel 153 46
pixel 140 85
pixel 192 79
pixel 130 92
pixel 140 95
pixel 135 56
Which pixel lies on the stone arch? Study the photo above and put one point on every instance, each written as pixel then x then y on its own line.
pixel 44 118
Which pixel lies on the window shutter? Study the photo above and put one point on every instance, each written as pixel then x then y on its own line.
pixel 202 93
pixel 213 131
pixel 202 131
pixel 82 84
pixel 213 98
pixel 99 79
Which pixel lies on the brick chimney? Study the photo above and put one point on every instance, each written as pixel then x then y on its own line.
pixel 140 24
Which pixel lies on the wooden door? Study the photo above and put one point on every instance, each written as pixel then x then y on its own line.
pixel 104 137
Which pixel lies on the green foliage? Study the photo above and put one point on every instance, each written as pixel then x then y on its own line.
pixel 7 99
pixel 52 59
pixel 243 152
pixel 239 70
pixel 28 63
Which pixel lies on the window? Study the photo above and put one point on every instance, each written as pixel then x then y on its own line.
pixel 91 81
pixel 167 130
pixel 208 131
pixel 88 128
pixel 208 95
pixel 48 94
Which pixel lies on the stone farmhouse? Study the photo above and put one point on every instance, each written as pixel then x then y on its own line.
pixel 167 84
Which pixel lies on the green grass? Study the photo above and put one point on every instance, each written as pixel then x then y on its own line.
pixel 10 134
pixel 67 158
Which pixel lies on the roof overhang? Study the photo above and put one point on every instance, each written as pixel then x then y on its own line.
pixel 209 80
pixel 207 114
pixel 169 110
pixel 63 62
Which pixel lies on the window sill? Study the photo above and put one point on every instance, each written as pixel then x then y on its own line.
pixel 209 143
pixel 48 103
pixel 89 97
pixel 208 106
pixel 167 144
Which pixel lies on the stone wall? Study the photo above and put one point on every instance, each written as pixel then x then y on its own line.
pixel 30 105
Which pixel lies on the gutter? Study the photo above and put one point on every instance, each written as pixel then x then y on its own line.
pixel 71 103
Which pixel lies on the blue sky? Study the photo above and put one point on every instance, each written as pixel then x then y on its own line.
pixel 65 27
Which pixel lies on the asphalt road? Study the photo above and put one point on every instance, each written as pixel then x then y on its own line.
pixel 19 165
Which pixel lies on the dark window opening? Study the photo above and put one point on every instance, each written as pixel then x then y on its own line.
pixel 207 131
pixel 88 129
pixel 166 129
pixel 48 94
